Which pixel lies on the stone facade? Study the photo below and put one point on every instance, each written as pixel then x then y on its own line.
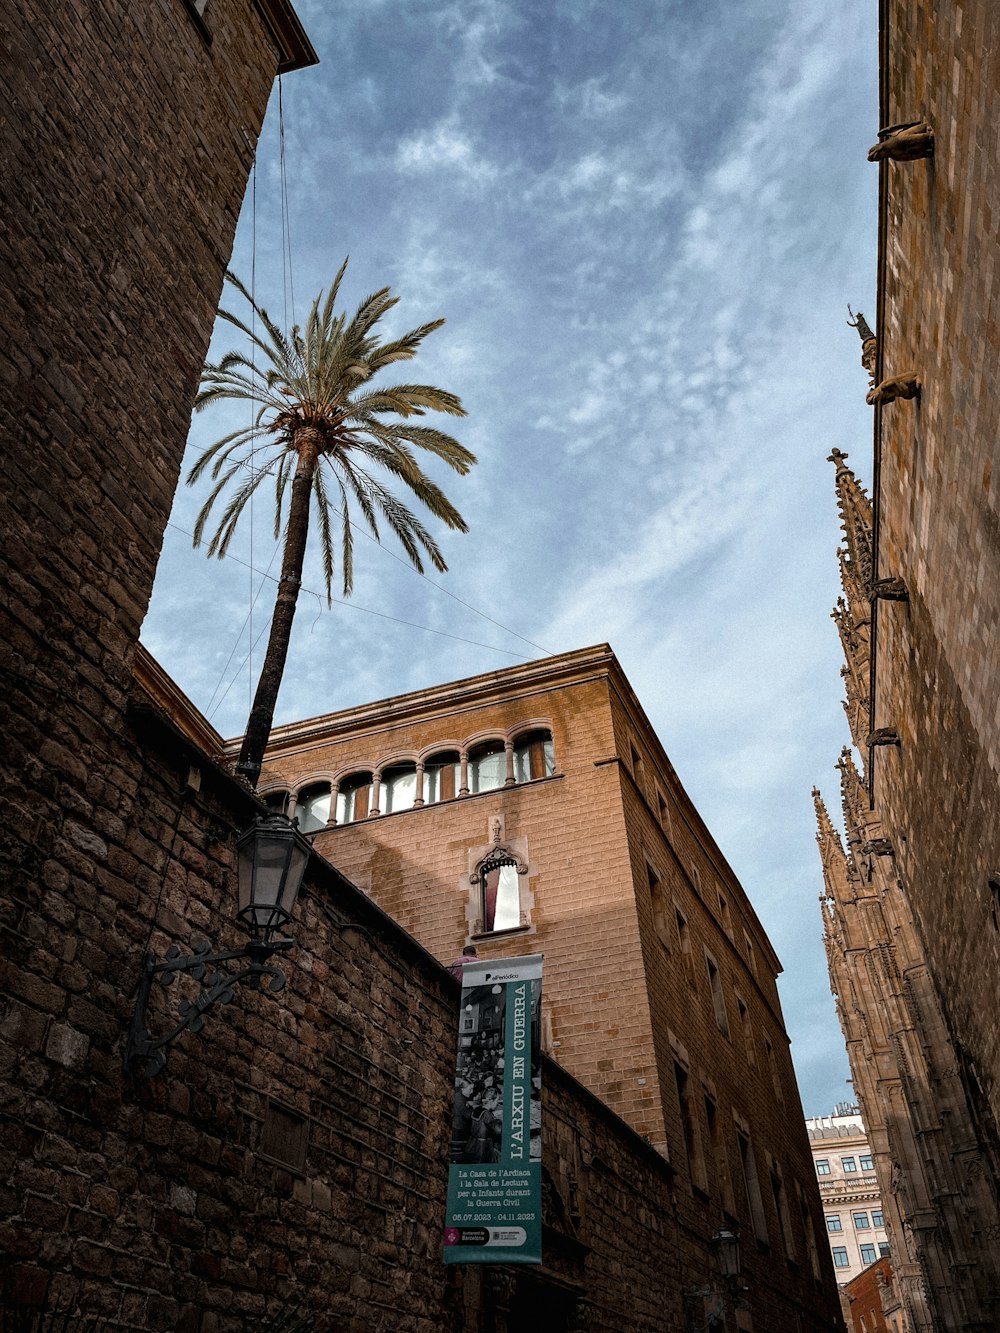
pixel 660 984
pixel 848 1186
pixel 912 916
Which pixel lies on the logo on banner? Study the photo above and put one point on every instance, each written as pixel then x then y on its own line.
pixel 494 1179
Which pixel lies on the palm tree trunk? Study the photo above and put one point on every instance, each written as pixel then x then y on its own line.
pixel 262 713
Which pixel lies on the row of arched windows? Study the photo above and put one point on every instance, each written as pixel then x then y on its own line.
pixel 401 786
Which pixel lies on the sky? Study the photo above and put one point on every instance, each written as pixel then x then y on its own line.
pixel 643 223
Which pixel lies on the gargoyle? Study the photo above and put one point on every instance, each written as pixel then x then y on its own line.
pixel 890 590
pixel 883 736
pixel 903 143
pixel 869 344
pixel 906 385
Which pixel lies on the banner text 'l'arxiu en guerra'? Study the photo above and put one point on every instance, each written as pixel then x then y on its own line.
pixel 495 1176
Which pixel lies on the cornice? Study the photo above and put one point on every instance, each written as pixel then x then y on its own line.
pixel 441 700
pixel 295 51
pixel 167 695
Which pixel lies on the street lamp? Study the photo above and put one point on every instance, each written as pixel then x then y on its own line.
pixel 709 1305
pixel 271 858
pixel 727 1248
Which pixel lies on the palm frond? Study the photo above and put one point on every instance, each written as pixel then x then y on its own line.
pixel 325 533
pixel 316 376
pixel 435 442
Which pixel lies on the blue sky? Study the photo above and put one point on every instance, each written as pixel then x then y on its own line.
pixel 643 224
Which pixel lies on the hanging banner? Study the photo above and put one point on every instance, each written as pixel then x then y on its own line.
pixel 495 1177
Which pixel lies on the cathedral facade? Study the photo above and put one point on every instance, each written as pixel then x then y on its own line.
pixel 911 901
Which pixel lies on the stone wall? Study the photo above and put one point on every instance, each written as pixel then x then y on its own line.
pixel 128 139
pixel 938 528
pixel 294 1154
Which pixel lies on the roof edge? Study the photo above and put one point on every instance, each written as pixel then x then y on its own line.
pixel 295 50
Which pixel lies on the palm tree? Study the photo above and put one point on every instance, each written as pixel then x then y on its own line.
pixel 319 425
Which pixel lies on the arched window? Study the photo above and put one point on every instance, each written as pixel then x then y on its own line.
pixel 312 807
pixel 441 777
pixel 534 756
pixel 354 798
pixel 501 894
pixel 487 766
pixel 399 788
pixel 277 801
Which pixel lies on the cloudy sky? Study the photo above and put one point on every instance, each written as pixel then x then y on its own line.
pixel 643 223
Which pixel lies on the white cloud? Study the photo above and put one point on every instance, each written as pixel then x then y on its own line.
pixel 445 147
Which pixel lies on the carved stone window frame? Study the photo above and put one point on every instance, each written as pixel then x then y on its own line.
pixel 500 850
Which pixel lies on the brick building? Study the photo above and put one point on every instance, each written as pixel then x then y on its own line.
pixel 912 915
pixel 294 1154
pixel 872 1302
pixel 848 1186
pixel 534 810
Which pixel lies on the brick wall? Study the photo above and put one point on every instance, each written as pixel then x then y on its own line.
pixel 626 1005
pixel 295 1152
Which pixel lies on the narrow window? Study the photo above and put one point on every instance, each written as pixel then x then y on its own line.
pixel 860 1221
pixel 878 1219
pixel 398 788
pixel 663 813
pixel 772 1064
pixel 277 801
pixel 781 1211
pixel 747 1033
pixel 849 1164
pixel 441 777
pixel 724 915
pixel 833 1222
pixel 500 900
pixel 752 1185
pixel 840 1259
pixel 868 1254
pixel 692 1139
pixel 720 1160
pixel 353 798
pixel 883 1249
pixel 822 1166
pixel 810 1232
pixel 751 956
pixel 637 769
pixel 658 907
pixel 683 933
pixel 312 807
pixel 534 756
pixel 487 767
pixel 285 1136
pixel 866 1163
pixel 718 999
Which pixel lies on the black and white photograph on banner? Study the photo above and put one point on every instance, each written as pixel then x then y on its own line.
pixel 477 1128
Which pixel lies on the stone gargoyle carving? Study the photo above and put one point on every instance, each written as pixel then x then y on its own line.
pixel 883 736
pixel 906 385
pixel 869 343
pixel 903 143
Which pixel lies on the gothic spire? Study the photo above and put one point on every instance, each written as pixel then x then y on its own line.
pixel 856 521
pixel 836 869
pixel 858 818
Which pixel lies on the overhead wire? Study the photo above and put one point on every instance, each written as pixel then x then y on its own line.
pixel 383 615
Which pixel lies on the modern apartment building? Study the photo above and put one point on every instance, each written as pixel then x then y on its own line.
pixel 852 1205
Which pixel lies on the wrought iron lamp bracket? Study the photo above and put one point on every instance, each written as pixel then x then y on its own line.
pixel 219 987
